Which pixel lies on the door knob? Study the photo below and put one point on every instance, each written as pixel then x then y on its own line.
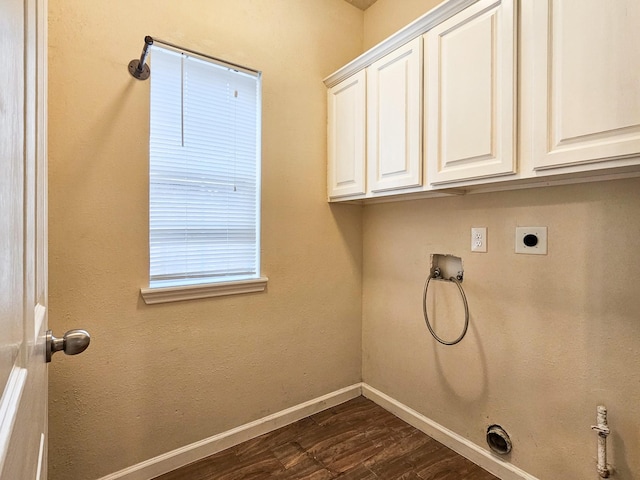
pixel 72 343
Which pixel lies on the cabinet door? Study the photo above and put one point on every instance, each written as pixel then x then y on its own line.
pixel 394 119
pixel 470 99
pixel 346 137
pixel 586 81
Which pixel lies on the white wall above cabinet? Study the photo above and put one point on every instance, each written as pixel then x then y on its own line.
pixel 346 137
pixel 586 76
pixel 394 119
pixel 470 99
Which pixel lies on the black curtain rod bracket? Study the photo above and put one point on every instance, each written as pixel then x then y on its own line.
pixel 138 68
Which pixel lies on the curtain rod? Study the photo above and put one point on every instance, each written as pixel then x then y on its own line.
pixel 139 70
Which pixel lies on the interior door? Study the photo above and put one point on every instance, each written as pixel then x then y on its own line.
pixel 23 247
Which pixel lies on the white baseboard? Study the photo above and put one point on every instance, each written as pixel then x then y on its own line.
pixel 190 453
pixel 455 442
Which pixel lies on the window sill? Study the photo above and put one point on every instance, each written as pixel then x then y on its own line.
pixel 192 292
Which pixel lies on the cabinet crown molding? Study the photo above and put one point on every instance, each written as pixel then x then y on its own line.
pixel 416 28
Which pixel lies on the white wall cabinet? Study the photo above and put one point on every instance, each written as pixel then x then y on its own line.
pixel 394 119
pixel 513 94
pixel 470 99
pixel 586 82
pixel 346 137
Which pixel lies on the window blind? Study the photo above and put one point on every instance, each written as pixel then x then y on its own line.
pixel 204 171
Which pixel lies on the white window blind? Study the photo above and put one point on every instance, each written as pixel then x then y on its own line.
pixel 204 148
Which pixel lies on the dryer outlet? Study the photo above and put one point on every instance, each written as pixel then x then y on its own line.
pixel 531 240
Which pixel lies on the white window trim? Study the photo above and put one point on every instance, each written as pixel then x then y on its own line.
pixel 180 293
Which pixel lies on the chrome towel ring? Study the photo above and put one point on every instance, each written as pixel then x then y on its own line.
pixel 437 275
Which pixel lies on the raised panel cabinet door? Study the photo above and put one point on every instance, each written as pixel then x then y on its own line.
pixel 586 81
pixel 346 137
pixel 470 99
pixel 394 119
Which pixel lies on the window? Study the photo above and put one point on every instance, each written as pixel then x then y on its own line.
pixel 204 172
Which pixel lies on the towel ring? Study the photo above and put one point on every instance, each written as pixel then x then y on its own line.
pixel 437 276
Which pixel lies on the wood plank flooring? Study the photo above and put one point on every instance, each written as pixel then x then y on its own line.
pixel 357 440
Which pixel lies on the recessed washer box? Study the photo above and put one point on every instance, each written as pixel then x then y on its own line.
pixel 531 240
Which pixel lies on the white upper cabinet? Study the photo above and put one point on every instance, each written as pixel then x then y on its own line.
pixel 394 119
pixel 346 137
pixel 585 81
pixel 483 95
pixel 470 94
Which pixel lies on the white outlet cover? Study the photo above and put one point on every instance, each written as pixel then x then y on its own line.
pixel 479 239
pixel 532 234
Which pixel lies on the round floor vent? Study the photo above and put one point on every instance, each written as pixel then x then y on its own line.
pixel 498 440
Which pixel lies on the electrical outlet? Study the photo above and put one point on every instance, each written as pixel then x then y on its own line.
pixel 531 240
pixel 479 239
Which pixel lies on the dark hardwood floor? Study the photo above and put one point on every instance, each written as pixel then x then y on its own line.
pixel 357 440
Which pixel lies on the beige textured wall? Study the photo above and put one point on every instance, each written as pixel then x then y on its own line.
pixel 551 337
pixel 156 378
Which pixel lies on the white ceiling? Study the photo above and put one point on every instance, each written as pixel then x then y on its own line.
pixel 361 4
